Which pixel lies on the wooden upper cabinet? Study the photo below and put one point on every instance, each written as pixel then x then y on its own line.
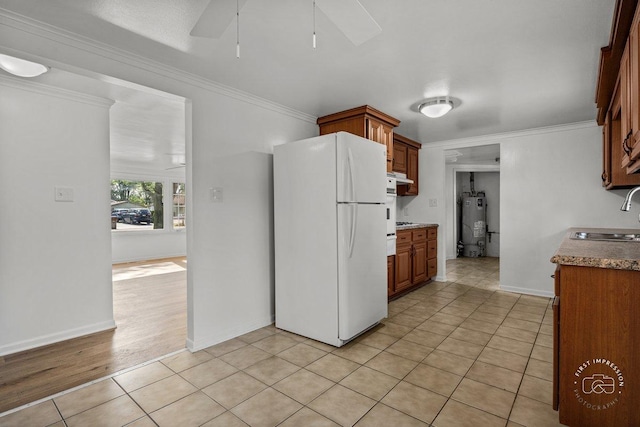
pixel 405 160
pixel 633 140
pixel 366 122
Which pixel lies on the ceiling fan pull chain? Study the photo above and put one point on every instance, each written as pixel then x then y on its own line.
pixel 314 24
pixel 237 28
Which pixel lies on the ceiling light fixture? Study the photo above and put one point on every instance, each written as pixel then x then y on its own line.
pixel 21 67
pixel 436 107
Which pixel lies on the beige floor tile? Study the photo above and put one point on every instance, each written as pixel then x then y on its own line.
pixel 371 383
pixel 342 405
pixel 485 397
pixel 513 346
pixel 516 334
pixel 271 370
pixel 447 319
pixel 420 312
pixel 497 309
pixel 333 367
pixel 162 393
pixel 234 389
pixel 434 379
pixel 456 414
pixel 117 412
pixel 428 339
pixel 295 337
pixel 546 329
pixel 275 343
pixel 377 340
pixel 244 357
pixel 409 350
pixel 225 347
pixel 307 418
pixel 436 327
pixel 357 352
pixel 394 329
pixel 504 359
pixel 185 360
pixel 534 309
pixel 320 345
pixel 449 362
pixel 545 340
pixel 406 320
pixel 384 416
pixel 460 348
pixel 87 397
pixel 193 410
pixel 457 311
pixel 540 369
pixel 301 354
pixel 42 414
pixel 542 353
pixel 415 401
pixel 480 326
pixel 266 409
pixel 469 335
pixel 532 413
pixel 537 388
pixel 143 376
pixel 526 325
pixel 257 335
pixel 522 315
pixel 225 420
pixel 487 317
pixel 496 376
pixel 391 364
pixel 140 422
pixel 303 386
pixel 208 373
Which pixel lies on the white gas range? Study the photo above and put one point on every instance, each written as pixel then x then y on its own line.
pixel 391 215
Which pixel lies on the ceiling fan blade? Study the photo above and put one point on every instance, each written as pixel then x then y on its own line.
pixel 351 18
pixel 216 18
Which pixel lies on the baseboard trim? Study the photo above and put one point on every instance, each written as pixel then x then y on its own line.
pixel 527 291
pixel 222 336
pixel 56 337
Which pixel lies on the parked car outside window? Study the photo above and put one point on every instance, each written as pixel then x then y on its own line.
pixel 137 216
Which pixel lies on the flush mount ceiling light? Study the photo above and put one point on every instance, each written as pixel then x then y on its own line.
pixel 436 107
pixel 21 67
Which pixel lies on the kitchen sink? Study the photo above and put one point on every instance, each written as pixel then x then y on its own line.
pixel 609 237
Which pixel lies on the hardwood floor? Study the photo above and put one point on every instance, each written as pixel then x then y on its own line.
pixel 150 310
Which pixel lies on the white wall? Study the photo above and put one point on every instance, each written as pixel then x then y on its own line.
pixel 549 181
pixel 222 123
pixel 55 257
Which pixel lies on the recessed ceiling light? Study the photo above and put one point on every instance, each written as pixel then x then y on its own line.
pixel 21 67
pixel 436 107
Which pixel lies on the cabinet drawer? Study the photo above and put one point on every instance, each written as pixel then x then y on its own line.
pixel 419 234
pixel 432 268
pixel 432 249
pixel 403 236
pixel 432 233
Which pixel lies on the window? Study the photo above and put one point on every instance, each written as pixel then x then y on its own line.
pixel 179 207
pixel 136 205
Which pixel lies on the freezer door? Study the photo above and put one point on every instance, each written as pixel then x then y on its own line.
pixel 362 169
pixel 362 268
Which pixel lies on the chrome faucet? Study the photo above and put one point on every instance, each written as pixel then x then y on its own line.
pixel 626 205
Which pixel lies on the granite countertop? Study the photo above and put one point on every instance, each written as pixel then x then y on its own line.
pixel 414 225
pixel 599 254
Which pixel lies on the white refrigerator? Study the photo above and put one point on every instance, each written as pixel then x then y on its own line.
pixel 330 236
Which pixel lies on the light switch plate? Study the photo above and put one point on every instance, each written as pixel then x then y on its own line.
pixel 63 194
pixel 216 194
pixel 433 203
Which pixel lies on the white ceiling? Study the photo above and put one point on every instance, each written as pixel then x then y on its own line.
pixel 512 64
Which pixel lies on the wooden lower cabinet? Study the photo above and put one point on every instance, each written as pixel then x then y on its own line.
pixel 597 346
pixel 391 272
pixel 414 263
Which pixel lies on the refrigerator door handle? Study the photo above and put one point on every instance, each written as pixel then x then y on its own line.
pixel 354 224
pixel 352 178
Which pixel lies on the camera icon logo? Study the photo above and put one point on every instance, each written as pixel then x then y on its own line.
pixel 598 384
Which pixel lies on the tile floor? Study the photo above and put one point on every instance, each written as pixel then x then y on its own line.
pixel 459 353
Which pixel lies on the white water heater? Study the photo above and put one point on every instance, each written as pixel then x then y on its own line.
pixel 474 225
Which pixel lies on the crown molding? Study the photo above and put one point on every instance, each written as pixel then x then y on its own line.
pixel 499 137
pixel 59 35
pixel 43 89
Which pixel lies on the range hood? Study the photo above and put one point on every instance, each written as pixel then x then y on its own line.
pixel 401 178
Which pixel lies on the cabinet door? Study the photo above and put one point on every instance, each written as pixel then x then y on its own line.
pixel 400 158
pixel 432 268
pixel 634 96
pixel 625 107
pixel 419 262
pixel 391 274
pixel 403 267
pixel 412 170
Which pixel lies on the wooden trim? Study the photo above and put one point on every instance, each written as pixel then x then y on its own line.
pixel 405 140
pixel 358 111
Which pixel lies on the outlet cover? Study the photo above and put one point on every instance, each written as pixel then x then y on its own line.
pixel 216 194
pixel 433 203
pixel 63 194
